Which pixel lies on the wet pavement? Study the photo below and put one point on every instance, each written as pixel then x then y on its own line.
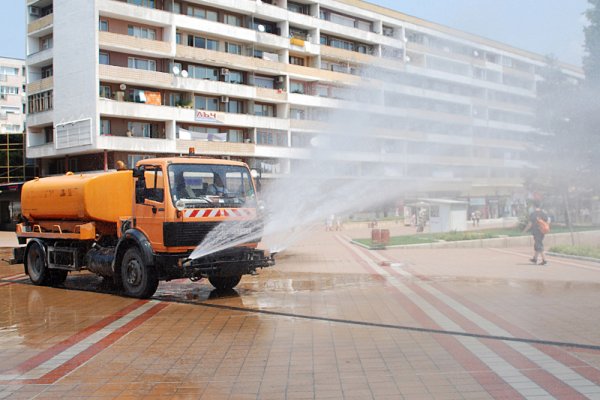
pixel 331 320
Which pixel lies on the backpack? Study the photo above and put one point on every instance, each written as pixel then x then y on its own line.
pixel 543 226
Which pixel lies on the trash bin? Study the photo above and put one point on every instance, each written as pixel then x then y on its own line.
pixel 376 235
pixel 384 236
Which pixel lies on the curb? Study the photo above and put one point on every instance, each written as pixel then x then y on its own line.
pixel 582 258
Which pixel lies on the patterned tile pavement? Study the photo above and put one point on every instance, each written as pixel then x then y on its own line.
pixel 330 321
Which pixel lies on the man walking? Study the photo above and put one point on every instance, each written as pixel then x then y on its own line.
pixel 538 235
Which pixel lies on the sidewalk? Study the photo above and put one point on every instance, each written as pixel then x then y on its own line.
pixel 8 239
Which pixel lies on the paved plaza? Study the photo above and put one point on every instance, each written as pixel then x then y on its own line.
pixel 332 320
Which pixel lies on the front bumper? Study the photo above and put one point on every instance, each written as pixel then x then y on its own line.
pixel 230 262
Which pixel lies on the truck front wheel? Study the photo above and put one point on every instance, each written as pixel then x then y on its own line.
pixel 36 265
pixel 139 280
pixel 224 283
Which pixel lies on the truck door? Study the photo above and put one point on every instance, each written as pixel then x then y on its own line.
pixel 150 204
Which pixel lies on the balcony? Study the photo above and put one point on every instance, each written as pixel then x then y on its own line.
pixel 216 148
pixel 135 144
pixel 41 26
pixel 40 86
pixel 132 45
pixel 41 58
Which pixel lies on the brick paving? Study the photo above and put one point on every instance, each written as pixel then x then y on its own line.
pixel 330 321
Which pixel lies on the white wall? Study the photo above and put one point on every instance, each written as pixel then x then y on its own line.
pixel 75 64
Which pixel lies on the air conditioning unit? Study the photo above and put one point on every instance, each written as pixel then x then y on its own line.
pixel 280 79
pixel 224 99
pixel 224 71
pixel 34 11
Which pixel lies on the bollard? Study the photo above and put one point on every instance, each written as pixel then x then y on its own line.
pixel 385 236
pixel 376 236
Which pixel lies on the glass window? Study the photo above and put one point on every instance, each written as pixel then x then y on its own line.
pixel 104 127
pixel 234 77
pixel 140 63
pixel 212 44
pixel 195 185
pixel 264 110
pixel 206 103
pixel 143 3
pixel 297 60
pixel 233 48
pixel 232 20
pixel 264 82
pixel 178 38
pixel 9 71
pixel 140 129
pixel 297 87
pixel 105 91
pixel 203 72
pixel 235 106
pixel 103 25
pixel 104 58
pixel 141 32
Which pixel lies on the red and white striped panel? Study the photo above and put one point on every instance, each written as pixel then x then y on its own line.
pixel 221 212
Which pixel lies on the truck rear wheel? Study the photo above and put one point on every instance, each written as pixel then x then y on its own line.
pixel 36 265
pixel 139 280
pixel 224 283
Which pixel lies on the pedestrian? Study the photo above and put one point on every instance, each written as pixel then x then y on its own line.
pixel 477 217
pixel 538 235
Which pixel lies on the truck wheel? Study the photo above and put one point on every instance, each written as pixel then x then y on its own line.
pixel 58 276
pixel 224 283
pixel 138 279
pixel 36 265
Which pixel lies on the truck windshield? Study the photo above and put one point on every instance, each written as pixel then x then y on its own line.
pixel 207 185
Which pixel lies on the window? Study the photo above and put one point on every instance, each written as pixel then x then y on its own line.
pixel 271 137
pixel 234 20
pixel 236 135
pixel 206 103
pixel 141 63
pixel 203 72
pixel 297 87
pixel 141 32
pixel 103 25
pixel 203 13
pixel 9 71
pixel 264 82
pixel 235 77
pixel 212 44
pixel 176 8
pixel 133 159
pixel 105 91
pixel 297 60
pixel 264 110
pixel 296 113
pixel 153 189
pixel 47 71
pixel 40 102
pixel 388 31
pixel 178 38
pixel 9 90
pixel 233 48
pixel 203 43
pixel 234 106
pixel 104 127
pixel 104 58
pixel 298 8
pixel 143 3
pixel 142 129
pixel 46 42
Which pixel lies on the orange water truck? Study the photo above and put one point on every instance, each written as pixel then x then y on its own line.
pixel 139 226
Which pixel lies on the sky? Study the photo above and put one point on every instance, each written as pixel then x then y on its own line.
pixel 546 27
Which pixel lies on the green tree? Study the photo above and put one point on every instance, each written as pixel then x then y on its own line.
pixel 591 61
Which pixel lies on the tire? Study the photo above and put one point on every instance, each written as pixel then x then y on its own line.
pixel 139 280
pixel 36 265
pixel 224 283
pixel 58 276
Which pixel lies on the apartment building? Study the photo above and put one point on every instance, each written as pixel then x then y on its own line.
pixel 448 112
pixel 12 120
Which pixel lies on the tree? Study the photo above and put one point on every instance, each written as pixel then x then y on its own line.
pixel 591 61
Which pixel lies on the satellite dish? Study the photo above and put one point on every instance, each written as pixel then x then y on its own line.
pixel 175 70
pixel 122 86
pixel 184 73
pixel 261 27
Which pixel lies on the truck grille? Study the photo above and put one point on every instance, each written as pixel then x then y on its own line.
pixel 186 233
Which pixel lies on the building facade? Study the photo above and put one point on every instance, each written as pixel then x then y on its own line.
pixel 12 120
pixel 257 81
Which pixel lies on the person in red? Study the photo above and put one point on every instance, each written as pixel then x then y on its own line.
pixel 538 236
